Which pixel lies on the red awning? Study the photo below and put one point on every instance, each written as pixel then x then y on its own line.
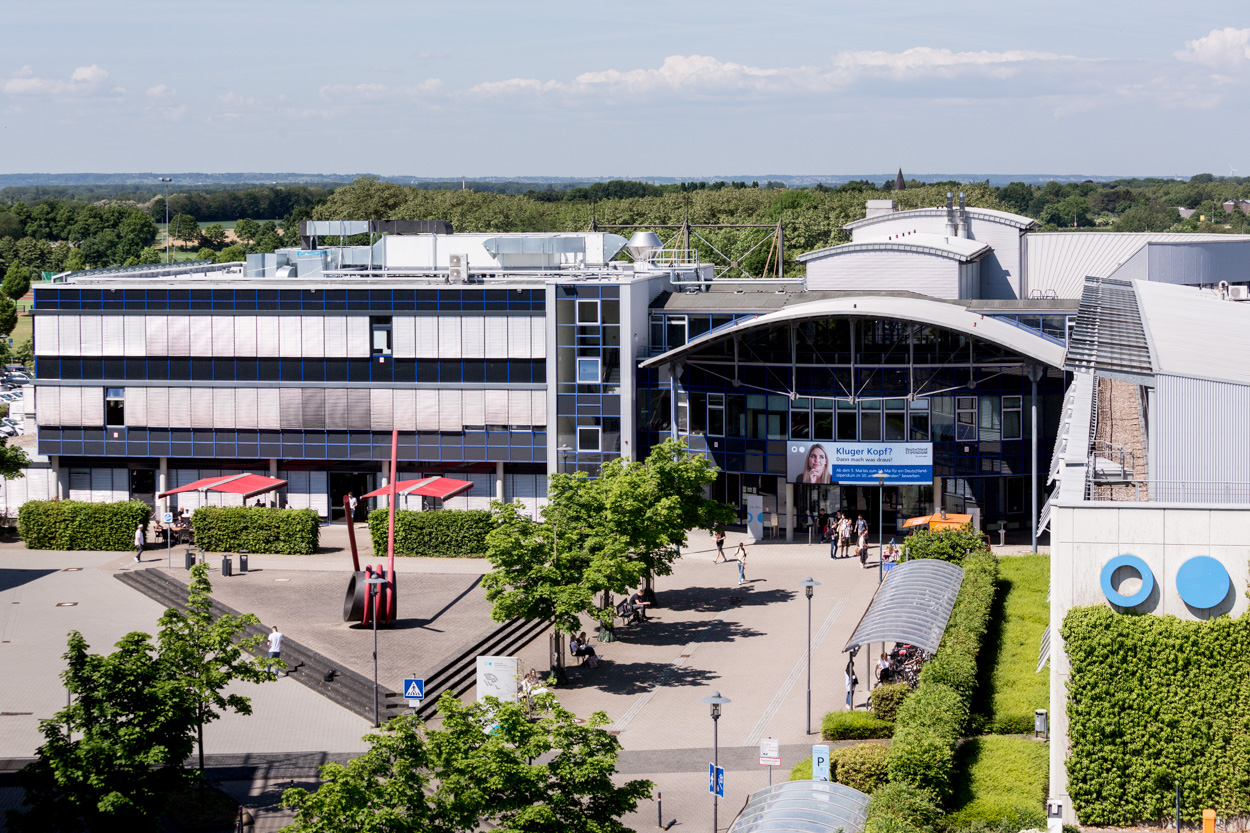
pixel 247 485
pixel 439 487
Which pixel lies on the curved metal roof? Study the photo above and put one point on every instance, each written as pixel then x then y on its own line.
pixel 918 309
pixel 990 214
pixel 807 806
pixel 912 605
pixel 956 248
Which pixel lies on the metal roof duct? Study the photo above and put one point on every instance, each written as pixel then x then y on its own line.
pixel 644 245
pixel 497 246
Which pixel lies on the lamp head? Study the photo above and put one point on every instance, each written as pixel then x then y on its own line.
pixel 716 701
pixel 808 586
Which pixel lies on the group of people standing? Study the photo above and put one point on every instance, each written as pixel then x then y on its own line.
pixel 840 532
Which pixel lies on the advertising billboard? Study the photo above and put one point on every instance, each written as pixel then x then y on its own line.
pixel 833 461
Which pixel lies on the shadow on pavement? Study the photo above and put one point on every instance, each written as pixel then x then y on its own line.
pixel 10 579
pixel 656 632
pixel 614 677
pixel 715 599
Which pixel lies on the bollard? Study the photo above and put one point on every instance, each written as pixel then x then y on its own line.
pixel 190 558
pixel 1208 821
pixel 226 566
pixel 243 561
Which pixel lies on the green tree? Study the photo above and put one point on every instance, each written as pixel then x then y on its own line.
pixel 184 229
pixel 8 316
pixel 112 757
pixel 247 230
pixel 214 235
pixel 13 459
pixel 16 281
pixel 231 254
pixel 209 654
pixel 75 261
pixel 206 254
pixel 149 256
pixel 25 352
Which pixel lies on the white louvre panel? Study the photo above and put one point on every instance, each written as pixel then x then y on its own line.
pixel 358 409
pixel 267 410
pixel 47 337
pixel 292 404
pixel 473 408
pixel 427 410
pixel 156 331
pixel 538 337
pixel 136 407
pixel 308 490
pixel 158 408
pixel 403 336
pixel 200 335
pixel 496 338
pixel 179 407
pixel 336 409
pixel 71 406
pixel 110 485
pixel 314 400
pixel 336 336
pixel 497 407
pixel 448 337
pixel 538 407
pixel 358 337
pixel 36 484
pixel 245 336
pixel 404 411
pixel 48 405
pixel 313 329
pixel 245 409
pixel 478 497
pixel 381 406
pixel 289 335
pixel 93 406
pixel 223 335
pixel 267 336
pixel 223 408
pixel 519 337
pixel 523 488
pixel 425 344
pixel 92 338
pixel 201 407
pixel 449 418
pixel 113 341
pixel 319 492
pixel 179 335
pixel 185 477
pixel 519 407
pixel 67 335
pixel 134 335
pixel 473 337
pixel 80 485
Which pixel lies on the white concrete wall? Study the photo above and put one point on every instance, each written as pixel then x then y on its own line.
pixel 1085 537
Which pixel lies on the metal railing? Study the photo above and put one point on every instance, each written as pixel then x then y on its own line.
pixel 1119 463
pixel 1190 491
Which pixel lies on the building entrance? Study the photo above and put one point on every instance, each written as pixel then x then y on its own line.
pixel 356 482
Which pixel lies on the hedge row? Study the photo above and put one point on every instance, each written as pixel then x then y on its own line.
pixel 902 808
pixel 885 700
pixel 854 726
pixel 932 719
pixel 256 529
pixel 74 525
pixel 861 767
pixel 442 532
pixel 950 544
pixel 1153 701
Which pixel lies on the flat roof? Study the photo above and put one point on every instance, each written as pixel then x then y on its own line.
pixel 766 298
pixel 1192 332
pixel 962 249
pixel 990 214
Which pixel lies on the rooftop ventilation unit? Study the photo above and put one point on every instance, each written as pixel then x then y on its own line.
pixel 644 245
pixel 458 268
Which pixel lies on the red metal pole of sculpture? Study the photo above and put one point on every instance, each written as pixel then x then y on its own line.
pixel 358 606
pixel 392 589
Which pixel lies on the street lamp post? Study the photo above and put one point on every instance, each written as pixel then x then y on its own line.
pixel 167 180
pixel 715 701
pixel 564 450
pixel 375 592
pixel 880 526
pixel 808 587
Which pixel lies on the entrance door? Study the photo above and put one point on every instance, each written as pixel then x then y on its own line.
pixel 356 482
pixel 143 486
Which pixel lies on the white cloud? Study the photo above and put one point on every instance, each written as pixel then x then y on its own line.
pixel 1223 50
pixel 160 91
pixel 371 92
pixel 82 80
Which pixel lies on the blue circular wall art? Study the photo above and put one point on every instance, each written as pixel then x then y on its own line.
pixel 1133 563
pixel 1202 582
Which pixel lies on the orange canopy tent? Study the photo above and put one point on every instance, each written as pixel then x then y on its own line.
pixel 939 521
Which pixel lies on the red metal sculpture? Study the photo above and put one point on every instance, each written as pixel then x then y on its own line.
pixel 358 606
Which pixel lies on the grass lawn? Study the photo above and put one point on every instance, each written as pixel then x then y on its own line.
pixel 1010 687
pixel 1000 778
pixel 23 329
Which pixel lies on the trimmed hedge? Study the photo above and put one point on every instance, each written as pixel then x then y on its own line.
pixel 74 525
pixel 932 719
pixel 1153 700
pixel 950 544
pixel 441 532
pixel 861 766
pixel 854 726
pixel 902 808
pixel 887 699
pixel 1001 780
pixel 256 529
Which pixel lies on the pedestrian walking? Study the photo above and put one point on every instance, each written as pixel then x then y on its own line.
pixel 720 545
pixel 851 682
pixel 742 563
pixel 844 535
pixel 862 543
pixel 138 543
pixel 275 648
pixel 351 505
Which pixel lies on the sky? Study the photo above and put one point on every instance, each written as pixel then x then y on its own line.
pixel 633 89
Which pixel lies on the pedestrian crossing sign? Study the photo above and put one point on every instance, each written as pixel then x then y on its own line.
pixel 414 688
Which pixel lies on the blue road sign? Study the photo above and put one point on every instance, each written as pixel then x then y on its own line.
pixel 414 688
pixel 720 782
pixel 168 518
pixel 820 762
pixel 711 778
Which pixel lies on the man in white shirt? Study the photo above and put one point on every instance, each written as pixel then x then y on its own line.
pixel 138 543
pixel 275 647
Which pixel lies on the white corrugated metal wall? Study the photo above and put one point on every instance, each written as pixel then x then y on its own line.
pixel 1198 430
pixel 886 270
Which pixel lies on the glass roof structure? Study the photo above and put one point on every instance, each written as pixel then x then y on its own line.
pixel 912 605
pixel 806 806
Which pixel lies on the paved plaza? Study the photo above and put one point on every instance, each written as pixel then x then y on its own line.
pixel 707 633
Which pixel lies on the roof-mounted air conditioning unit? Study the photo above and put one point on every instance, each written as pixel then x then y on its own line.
pixel 1239 293
pixel 458 268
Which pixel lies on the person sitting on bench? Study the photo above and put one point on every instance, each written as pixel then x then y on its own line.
pixel 579 648
pixel 638 605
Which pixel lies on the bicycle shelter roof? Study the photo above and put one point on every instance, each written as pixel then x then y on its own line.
pixel 912 605
pixel 803 807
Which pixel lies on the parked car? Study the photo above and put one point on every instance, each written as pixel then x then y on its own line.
pixel 8 431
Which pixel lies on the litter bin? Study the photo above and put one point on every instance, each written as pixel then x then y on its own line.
pixel 226 566
pixel 243 561
pixel 190 558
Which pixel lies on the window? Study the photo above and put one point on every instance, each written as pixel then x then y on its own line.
pixel 588 372
pixel 943 419
pixel 683 412
pixel 115 406
pixel 1012 422
pixel 895 420
pixel 848 424
pixel 991 419
pixel 919 416
pixel 965 418
pixel 716 414
pixel 822 419
pixel 657 333
pixel 588 438
pixel 870 420
pixel 380 325
pixel 588 312
pixel 676 331
pixel 800 420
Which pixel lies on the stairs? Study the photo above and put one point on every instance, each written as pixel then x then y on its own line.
pixel 353 691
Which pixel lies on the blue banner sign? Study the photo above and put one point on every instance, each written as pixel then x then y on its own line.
pixel 831 461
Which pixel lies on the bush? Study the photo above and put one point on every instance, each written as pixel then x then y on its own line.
pixel 900 808
pixel 256 529
pixel 1015 689
pixel 442 532
pixel 1002 780
pixel 886 699
pixel 802 770
pixel 861 767
pixel 854 726
pixel 950 544
pixel 74 525
pixel 1153 700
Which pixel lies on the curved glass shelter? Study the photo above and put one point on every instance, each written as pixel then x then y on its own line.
pixel 803 806
pixel 912 605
